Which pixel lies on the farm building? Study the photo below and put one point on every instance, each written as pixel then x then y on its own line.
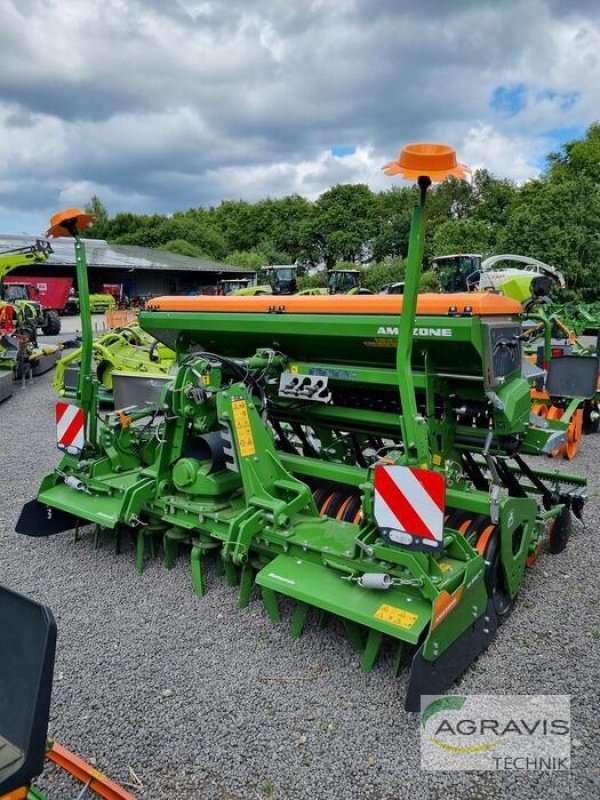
pixel 139 270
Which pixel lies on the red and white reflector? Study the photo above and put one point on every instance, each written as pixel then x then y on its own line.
pixel 409 506
pixel 70 427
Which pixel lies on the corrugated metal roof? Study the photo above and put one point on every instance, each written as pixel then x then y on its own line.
pixel 101 254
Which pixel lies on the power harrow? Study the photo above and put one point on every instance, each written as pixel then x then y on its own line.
pixel 549 331
pixel 360 455
pixel 130 366
pixel 577 414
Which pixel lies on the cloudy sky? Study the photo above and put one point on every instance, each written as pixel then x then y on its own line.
pixel 160 105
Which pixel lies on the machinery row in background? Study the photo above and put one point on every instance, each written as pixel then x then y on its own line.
pixel 132 366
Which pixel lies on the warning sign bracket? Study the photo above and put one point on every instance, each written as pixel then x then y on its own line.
pixel 409 505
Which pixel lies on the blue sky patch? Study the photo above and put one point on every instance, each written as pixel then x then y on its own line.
pixel 342 150
pixel 561 135
pixel 565 101
pixel 509 100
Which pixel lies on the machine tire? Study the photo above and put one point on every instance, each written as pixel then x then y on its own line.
pixel 560 532
pixel 494 579
pixel 53 324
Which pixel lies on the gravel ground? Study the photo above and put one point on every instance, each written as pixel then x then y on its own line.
pixel 202 700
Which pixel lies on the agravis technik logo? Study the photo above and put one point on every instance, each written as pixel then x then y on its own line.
pixel 489 732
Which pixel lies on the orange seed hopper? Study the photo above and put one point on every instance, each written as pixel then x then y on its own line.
pixel 428 304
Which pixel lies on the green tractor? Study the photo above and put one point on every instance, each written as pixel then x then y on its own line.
pixel 345 281
pixel 283 280
pixel 279 279
pixel 237 286
pixel 359 455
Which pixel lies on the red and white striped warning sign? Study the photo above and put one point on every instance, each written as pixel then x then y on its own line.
pixel 409 505
pixel 70 427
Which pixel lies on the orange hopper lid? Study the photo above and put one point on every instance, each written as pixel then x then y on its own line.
pixel 57 227
pixel 437 161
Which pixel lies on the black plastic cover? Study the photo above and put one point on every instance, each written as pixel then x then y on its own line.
pixel 572 376
pixel 27 651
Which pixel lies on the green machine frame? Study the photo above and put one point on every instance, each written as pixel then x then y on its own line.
pixel 266 446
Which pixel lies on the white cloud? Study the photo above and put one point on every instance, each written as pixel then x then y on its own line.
pixel 509 156
pixel 159 106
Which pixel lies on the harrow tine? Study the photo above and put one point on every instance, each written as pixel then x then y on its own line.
pixel 196 569
pixel 322 619
pixel 231 572
pixel 374 641
pixel 171 549
pixel 299 619
pixel 396 664
pixel 246 584
pixel 354 635
pixel 118 541
pixel 269 599
pixel 96 542
pixel 140 548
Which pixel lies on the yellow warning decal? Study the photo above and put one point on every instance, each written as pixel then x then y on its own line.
pixel 397 616
pixel 444 566
pixel 206 380
pixel 437 459
pixel 294 369
pixel 242 427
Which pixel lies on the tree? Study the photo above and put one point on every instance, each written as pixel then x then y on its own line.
pixel 341 225
pixel 377 275
pixel 282 226
pixel 183 248
pixel 578 158
pixel 492 198
pixel 394 209
pixel 98 209
pixel 123 224
pixel 237 222
pixel 464 236
pixel 557 219
pixel 317 281
pixel 246 259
